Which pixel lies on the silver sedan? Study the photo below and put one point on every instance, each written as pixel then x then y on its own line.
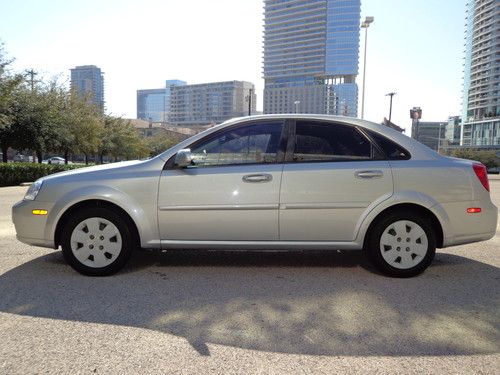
pixel 279 182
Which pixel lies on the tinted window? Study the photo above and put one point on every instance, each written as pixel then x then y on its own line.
pixel 392 150
pixel 248 144
pixel 330 142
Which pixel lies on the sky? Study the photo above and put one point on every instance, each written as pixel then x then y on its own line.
pixel 415 48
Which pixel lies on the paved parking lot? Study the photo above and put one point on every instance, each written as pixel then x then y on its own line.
pixel 202 312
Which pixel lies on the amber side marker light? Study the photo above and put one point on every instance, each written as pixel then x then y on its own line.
pixel 473 210
pixel 39 212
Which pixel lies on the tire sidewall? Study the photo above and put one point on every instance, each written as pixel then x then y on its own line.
pixel 113 217
pixel 375 254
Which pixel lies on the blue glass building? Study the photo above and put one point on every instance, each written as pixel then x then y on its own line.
pixel 311 53
pixel 155 104
pixel 151 105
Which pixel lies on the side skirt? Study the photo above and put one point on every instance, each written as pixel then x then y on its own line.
pixel 260 245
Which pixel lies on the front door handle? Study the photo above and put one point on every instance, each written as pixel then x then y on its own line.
pixel 264 177
pixel 368 174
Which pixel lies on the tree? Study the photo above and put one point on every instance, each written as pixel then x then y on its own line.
pixel 86 123
pixel 120 140
pixel 82 126
pixel 161 142
pixel 35 119
pixel 8 85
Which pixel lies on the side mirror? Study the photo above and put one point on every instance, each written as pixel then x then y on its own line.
pixel 183 158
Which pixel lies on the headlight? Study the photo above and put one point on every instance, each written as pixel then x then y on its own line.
pixel 33 190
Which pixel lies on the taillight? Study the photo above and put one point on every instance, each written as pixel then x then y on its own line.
pixel 482 174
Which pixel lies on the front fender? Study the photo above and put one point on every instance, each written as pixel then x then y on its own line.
pixel 145 223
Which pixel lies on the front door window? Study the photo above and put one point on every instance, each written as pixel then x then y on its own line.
pixel 250 144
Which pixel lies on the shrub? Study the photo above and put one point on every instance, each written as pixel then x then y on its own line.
pixel 16 173
pixel 488 158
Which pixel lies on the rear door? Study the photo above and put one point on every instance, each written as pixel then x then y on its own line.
pixel 333 173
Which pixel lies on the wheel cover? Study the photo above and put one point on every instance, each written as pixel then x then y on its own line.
pixel 96 242
pixel 403 244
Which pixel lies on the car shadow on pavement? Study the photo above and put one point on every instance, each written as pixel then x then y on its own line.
pixel 320 303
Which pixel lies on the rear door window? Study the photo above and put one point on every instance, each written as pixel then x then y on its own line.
pixel 318 141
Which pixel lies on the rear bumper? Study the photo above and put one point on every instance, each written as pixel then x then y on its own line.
pixel 31 229
pixel 466 228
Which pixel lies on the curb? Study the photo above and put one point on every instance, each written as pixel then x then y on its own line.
pixel 26 184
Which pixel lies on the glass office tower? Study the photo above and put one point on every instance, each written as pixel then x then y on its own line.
pixel 151 105
pixel 481 105
pixel 311 52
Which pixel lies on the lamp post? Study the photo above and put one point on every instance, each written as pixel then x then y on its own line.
pixel 439 137
pixel 249 99
pixel 366 23
pixel 391 94
pixel 296 103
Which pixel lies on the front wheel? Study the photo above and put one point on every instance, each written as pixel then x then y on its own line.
pixel 402 245
pixel 97 242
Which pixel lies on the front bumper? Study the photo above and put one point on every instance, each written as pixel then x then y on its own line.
pixel 31 229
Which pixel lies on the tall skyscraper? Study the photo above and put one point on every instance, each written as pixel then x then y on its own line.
pixel 89 80
pixel 311 53
pixel 481 101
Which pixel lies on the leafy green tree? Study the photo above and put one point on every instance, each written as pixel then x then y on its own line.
pixel 161 142
pixel 9 83
pixel 120 140
pixel 81 126
pixel 34 120
pixel 87 126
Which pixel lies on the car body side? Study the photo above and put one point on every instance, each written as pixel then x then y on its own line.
pixel 441 187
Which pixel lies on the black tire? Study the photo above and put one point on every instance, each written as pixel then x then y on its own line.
pixel 374 248
pixel 128 242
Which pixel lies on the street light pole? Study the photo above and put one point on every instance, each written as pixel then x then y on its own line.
pixel 249 97
pixel 297 102
pixel 391 94
pixel 439 137
pixel 366 23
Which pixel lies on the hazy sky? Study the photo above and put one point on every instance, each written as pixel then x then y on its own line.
pixel 415 47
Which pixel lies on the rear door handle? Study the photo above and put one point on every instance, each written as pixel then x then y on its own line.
pixel 264 177
pixel 368 174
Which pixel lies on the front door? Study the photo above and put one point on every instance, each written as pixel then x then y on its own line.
pixel 231 193
pixel 333 174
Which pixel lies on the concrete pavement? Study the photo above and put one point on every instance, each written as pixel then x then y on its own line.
pixel 204 312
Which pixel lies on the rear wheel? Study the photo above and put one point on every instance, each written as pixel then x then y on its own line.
pixel 97 241
pixel 402 244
